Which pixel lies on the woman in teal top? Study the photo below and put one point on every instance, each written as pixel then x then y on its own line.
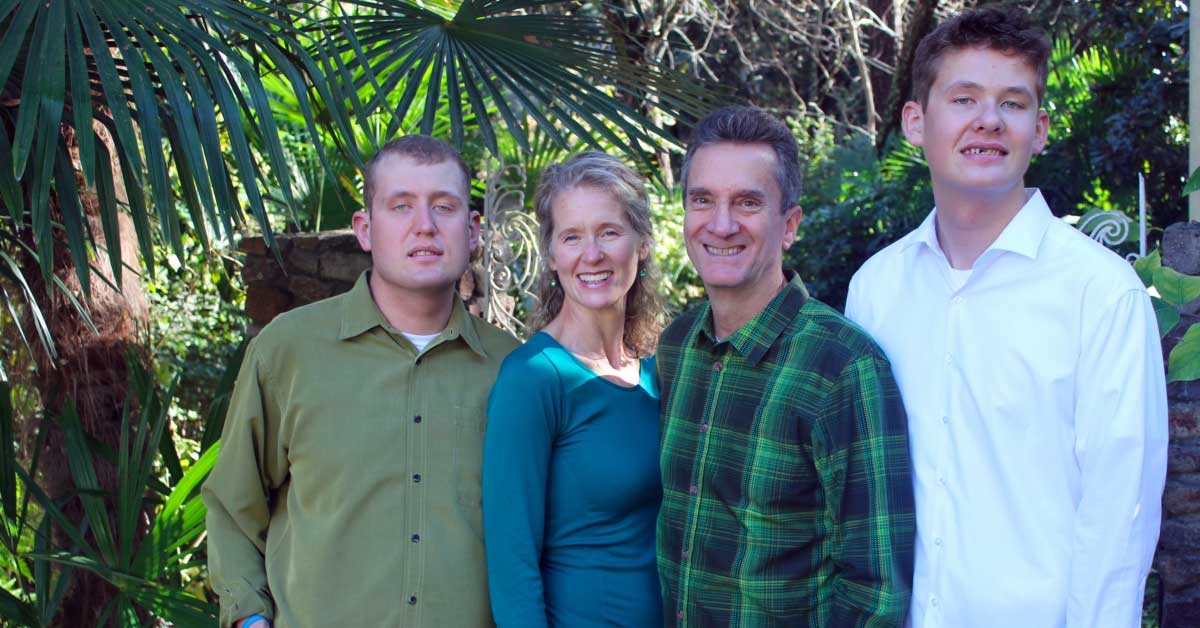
pixel 571 484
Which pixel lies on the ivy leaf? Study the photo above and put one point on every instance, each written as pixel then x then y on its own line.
pixel 1193 183
pixel 1184 362
pixel 1167 316
pixel 1145 267
pixel 1175 287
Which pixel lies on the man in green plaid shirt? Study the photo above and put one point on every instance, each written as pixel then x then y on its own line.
pixel 787 498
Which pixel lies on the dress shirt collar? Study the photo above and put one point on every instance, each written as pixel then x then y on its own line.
pixel 361 314
pixel 755 338
pixel 1023 234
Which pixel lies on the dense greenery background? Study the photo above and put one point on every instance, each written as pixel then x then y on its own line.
pixel 101 520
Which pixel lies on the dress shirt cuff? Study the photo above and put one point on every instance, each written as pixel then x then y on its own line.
pixel 239 599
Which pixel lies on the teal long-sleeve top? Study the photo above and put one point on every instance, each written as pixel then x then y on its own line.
pixel 571 490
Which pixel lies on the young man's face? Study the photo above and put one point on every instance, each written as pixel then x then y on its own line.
pixel 981 124
pixel 733 225
pixel 420 229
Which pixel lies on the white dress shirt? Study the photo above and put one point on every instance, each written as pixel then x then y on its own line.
pixel 1038 423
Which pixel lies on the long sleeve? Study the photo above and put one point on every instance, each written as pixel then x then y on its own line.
pixel 861 455
pixel 236 494
pixel 516 463
pixel 1120 447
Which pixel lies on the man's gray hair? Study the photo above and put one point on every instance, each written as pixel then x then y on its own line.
pixel 749 125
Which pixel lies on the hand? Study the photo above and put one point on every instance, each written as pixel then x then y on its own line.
pixel 253 621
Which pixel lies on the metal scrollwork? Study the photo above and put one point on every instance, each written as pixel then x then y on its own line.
pixel 510 241
pixel 1109 228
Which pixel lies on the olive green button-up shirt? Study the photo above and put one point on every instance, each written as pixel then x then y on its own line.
pixel 347 490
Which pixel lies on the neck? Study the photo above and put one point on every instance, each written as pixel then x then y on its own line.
pixel 593 334
pixel 731 311
pixel 414 312
pixel 967 225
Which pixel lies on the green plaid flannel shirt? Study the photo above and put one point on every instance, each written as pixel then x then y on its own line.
pixel 787 495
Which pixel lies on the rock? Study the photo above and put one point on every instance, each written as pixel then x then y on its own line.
pixel 304 261
pixel 1182 495
pixel 1183 420
pixel 264 302
pixel 1183 456
pixel 306 290
pixel 1181 247
pixel 344 266
pixel 253 245
pixel 1182 611
pixel 1179 572
pixel 307 241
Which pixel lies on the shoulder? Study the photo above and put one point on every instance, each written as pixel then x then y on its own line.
pixel 885 265
pixel 316 321
pixel 834 341
pixel 497 343
pixel 678 330
pixel 532 365
pixel 1101 273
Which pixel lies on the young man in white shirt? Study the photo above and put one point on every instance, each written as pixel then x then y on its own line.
pixel 1027 355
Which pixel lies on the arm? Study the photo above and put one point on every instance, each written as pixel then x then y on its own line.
pixel 236 495
pixel 516 464
pixel 861 456
pixel 1121 450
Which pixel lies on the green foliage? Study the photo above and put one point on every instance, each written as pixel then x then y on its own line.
pixel 1116 95
pixel 856 205
pixel 1170 291
pixel 150 568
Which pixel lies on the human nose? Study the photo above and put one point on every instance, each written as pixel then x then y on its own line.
pixel 423 219
pixel 722 223
pixel 989 118
pixel 592 251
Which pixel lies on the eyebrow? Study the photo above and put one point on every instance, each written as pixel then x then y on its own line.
pixel 972 85
pixel 436 194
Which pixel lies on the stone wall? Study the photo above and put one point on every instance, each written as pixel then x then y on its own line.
pixel 1178 558
pixel 316 266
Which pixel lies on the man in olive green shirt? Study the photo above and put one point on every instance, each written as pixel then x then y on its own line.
pixel 347 492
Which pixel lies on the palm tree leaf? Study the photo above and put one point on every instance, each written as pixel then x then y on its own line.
pixel 176 607
pixel 106 197
pixel 81 98
pixel 66 189
pixel 115 99
pixel 8 460
pixel 483 120
pixel 83 472
pixel 41 87
pixel 10 190
pixel 35 312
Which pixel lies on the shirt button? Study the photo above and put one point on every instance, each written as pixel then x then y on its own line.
pixel 704 427
pixel 949 359
pixel 934 602
pixel 938 541
pixel 416 477
pixel 958 300
pixel 679 615
pixel 417 419
pixel 683 554
pixel 942 481
pixel 945 419
pixel 416 538
pixel 412 599
pixel 717 366
pixel 693 489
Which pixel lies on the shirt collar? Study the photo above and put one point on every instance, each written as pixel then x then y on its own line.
pixel 1023 234
pixel 360 314
pixel 757 336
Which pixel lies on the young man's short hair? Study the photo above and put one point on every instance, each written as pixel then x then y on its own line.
pixel 1004 29
pixel 422 149
pixel 748 125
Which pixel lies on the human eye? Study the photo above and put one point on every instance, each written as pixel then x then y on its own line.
pixel 1013 104
pixel 699 201
pixel 961 100
pixel 750 204
pixel 401 206
pixel 443 208
pixel 570 238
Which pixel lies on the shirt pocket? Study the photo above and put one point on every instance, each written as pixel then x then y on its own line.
pixel 470 419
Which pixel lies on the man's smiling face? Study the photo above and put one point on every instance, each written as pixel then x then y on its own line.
pixel 981 123
pixel 734 223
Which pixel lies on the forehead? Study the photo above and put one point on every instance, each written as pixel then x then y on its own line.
pixel 729 166
pixel 583 205
pixel 395 175
pixel 986 68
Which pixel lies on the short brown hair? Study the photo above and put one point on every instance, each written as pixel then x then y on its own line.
pixel 422 149
pixel 644 307
pixel 1004 29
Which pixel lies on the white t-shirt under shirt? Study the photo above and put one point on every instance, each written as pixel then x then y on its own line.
pixel 1038 423
pixel 420 341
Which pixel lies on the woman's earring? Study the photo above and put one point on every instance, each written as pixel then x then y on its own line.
pixel 642 273
pixel 553 282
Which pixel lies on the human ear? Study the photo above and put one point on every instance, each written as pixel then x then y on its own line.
pixel 912 120
pixel 791 221
pixel 1042 131
pixel 360 222
pixel 474 220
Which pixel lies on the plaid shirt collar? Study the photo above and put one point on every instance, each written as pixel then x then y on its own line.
pixel 757 336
